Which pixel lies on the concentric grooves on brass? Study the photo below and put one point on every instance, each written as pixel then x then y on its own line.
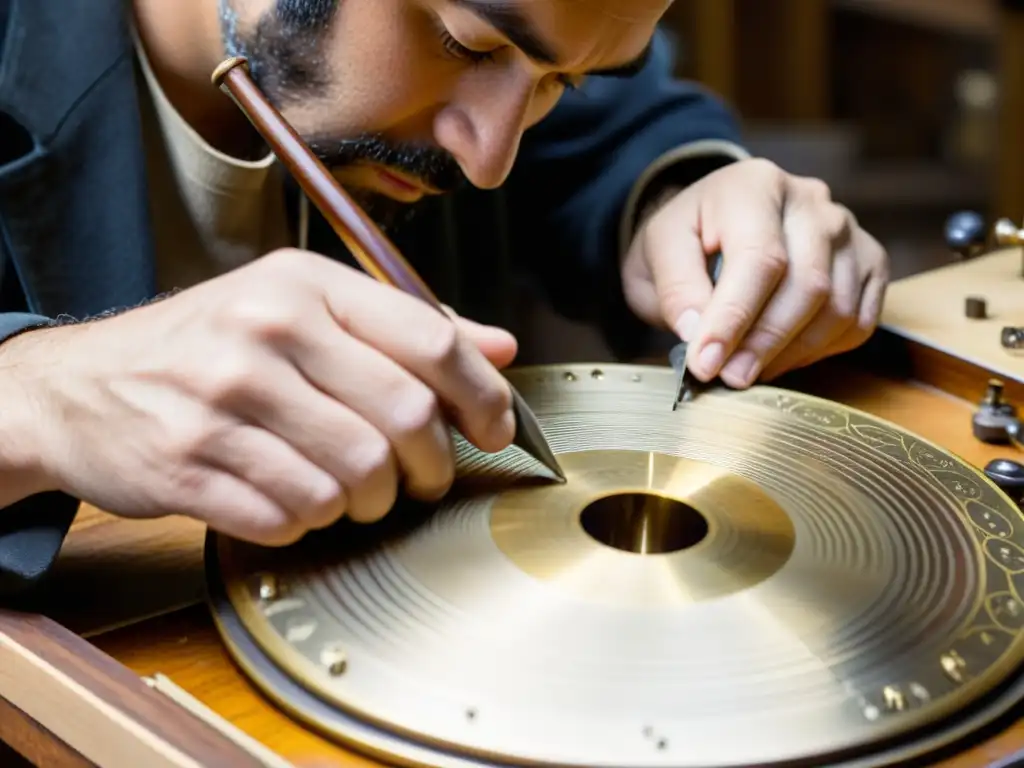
pixel 855 583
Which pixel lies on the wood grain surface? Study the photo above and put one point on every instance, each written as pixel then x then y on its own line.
pixel 35 745
pixel 928 309
pixel 113 571
pixel 96 706
pixel 185 647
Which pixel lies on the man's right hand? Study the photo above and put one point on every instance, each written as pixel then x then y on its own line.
pixel 266 402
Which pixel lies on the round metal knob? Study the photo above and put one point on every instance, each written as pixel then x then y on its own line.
pixel 1006 234
pixel 966 233
pixel 1009 476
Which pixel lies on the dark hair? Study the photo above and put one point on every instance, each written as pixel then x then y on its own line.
pixel 306 15
pixel 284 49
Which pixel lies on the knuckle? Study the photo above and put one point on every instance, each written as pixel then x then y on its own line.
pixel 836 223
pixel 766 337
pixel 324 496
pixel 187 444
pixel 227 379
pixel 774 260
pixel 277 531
pixel 765 166
pixel 370 462
pixel 324 512
pixel 816 189
pixel 287 258
pixel 816 285
pixel 271 319
pixel 441 343
pixel 417 410
pixel 189 481
pixel 865 326
pixel 733 317
pixel 496 400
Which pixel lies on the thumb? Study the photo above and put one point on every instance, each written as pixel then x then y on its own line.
pixel 679 267
pixel 497 345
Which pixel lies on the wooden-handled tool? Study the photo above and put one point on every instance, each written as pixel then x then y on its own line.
pixel 368 244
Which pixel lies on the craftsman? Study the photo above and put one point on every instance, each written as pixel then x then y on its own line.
pixel 228 373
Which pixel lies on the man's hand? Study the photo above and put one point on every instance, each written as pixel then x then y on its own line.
pixel 266 402
pixel 800 279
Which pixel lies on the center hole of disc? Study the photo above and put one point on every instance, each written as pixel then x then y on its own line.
pixel 644 523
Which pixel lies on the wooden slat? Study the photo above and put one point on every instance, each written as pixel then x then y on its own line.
pixel 96 705
pixel 31 744
pixel 945 348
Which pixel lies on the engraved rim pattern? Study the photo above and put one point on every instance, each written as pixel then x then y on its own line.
pixel 895 599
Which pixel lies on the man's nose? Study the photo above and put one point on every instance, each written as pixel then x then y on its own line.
pixel 484 135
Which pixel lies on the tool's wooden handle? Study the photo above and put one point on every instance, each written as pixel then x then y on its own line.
pixel 371 247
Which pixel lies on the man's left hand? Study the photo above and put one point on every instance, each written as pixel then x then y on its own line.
pixel 800 279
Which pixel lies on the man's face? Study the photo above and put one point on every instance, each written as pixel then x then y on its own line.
pixel 404 98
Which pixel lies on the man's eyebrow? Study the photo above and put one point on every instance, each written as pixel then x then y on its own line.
pixel 509 21
pixel 504 17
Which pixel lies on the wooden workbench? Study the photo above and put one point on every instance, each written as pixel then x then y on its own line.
pixel 125 602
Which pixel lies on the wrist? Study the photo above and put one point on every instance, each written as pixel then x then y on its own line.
pixel 23 422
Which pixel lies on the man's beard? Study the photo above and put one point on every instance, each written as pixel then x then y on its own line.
pixel 285 60
pixel 434 167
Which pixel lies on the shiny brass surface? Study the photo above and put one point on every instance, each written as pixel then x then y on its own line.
pixel 753 578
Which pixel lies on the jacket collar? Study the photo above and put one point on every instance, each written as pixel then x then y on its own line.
pixel 74 209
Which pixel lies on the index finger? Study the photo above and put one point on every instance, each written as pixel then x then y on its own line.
pixel 426 343
pixel 754 261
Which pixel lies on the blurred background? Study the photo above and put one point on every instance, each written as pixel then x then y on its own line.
pixel 910 109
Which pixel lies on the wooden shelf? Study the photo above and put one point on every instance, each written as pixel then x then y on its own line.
pixel 974 18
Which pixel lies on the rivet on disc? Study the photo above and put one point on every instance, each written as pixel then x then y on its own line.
pixel 895 700
pixel 662 743
pixel 335 659
pixel 471 714
pixel 569 376
pixel 268 587
pixel 953 665
pixel 636 377
pixel 597 374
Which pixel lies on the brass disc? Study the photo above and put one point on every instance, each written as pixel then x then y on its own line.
pixel 755 578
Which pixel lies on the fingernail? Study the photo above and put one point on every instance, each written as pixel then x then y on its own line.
pixel 711 358
pixel 687 325
pixel 741 368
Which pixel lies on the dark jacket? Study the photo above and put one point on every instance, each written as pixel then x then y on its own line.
pixel 75 237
